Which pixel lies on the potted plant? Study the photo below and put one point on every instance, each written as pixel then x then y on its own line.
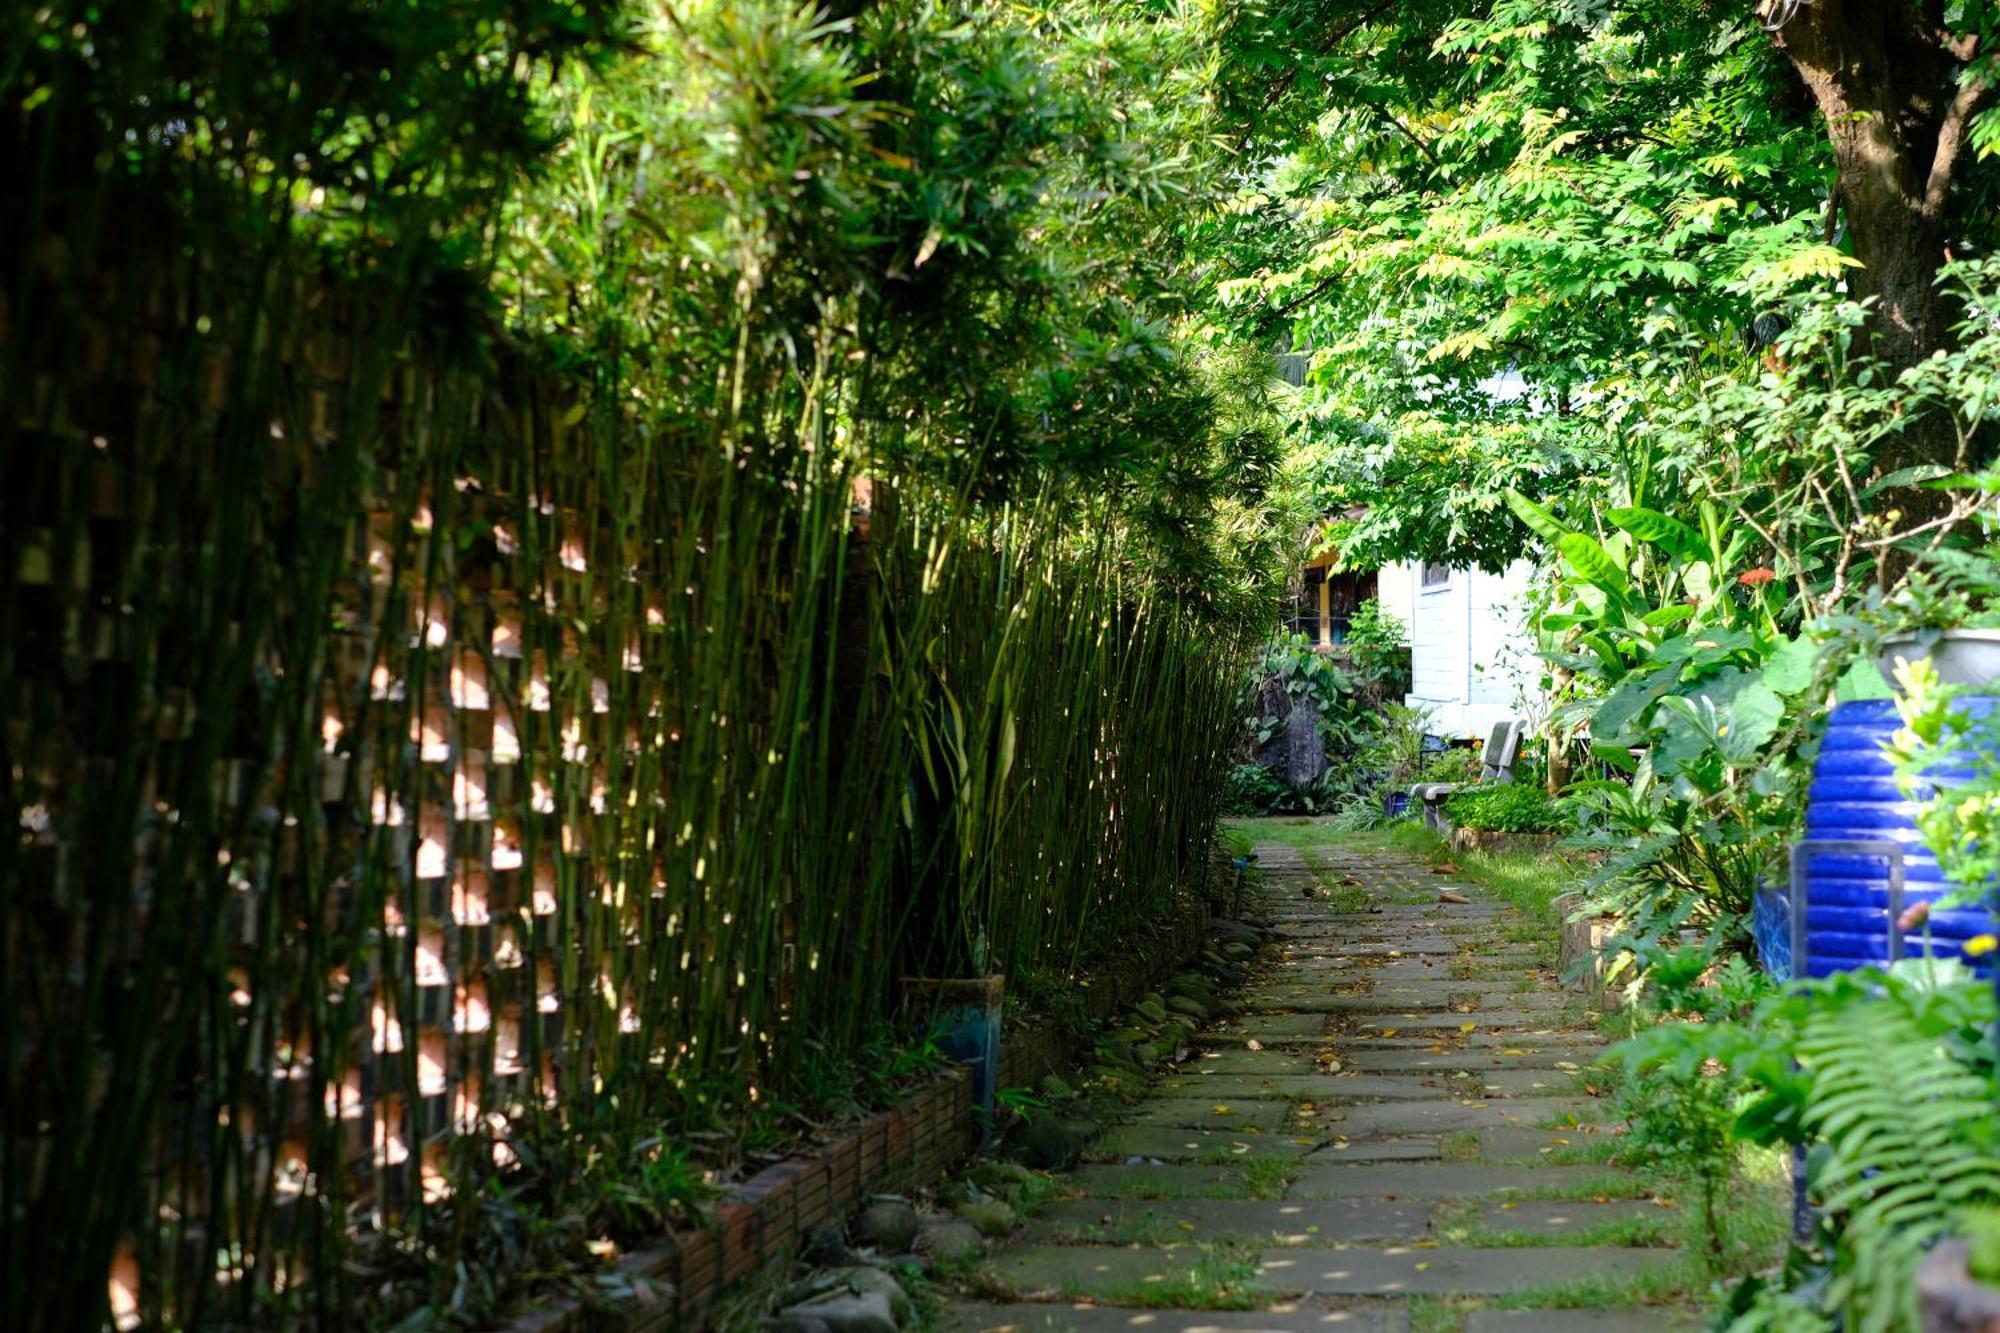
pixel 1966 655
pixel 1399 748
pixel 1946 615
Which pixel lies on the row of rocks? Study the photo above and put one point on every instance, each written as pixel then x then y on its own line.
pixel 1160 1026
pixel 853 1284
pixel 1158 1030
pixel 855 1287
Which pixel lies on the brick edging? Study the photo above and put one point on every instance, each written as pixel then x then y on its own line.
pixel 758 1223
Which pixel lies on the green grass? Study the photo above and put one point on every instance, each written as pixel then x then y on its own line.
pixel 1264 1178
pixel 1299 832
pixel 1218 1278
pixel 1678 1287
pixel 1529 881
pixel 1671 1284
pixel 1461 1145
pixel 1593 1150
pixel 1437 1314
pixel 1609 1185
pixel 1456 1222
pixel 1270 1177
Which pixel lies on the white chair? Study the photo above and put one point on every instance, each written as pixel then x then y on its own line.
pixel 1496 768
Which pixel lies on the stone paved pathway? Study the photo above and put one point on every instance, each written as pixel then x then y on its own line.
pixel 1397 1127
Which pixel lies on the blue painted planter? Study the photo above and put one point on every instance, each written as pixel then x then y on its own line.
pixel 1771 928
pixel 1395 803
pixel 965 1025
pixel 1877 866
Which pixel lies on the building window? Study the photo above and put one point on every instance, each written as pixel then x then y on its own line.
pixel 1430 574
pixel 1304 617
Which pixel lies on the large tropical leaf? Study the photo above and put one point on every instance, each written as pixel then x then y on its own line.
pixel 1593 562
pixel 1537 518
pixel 1660 529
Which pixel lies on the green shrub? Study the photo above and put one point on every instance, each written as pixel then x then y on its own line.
pixel 1981 1228
pixel 1458 764
pixel 1517 807
pixel 1252 789
pixel 1888 1079
pixel 1378 651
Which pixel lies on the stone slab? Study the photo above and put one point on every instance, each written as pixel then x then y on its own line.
pixel 1364 1085
pixel 1528 1141
pixel 1339 941
pixel 1447 1058
pixel 1439 999
pixel 1077 1318
pixel 1265 1222
pixel 1269 1028
pixel 1438 1117
pixel 1213 1113
pixel 1322 1178
pixel 1415 1271
pixel 1043 1272
pixel 1197 1145
pixel 1407 1148
pixel 1527 1039
pixel 1417 1020
pixel 1341 1087
pixel 1238 1060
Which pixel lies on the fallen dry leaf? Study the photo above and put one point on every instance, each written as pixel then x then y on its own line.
pixel 1448 896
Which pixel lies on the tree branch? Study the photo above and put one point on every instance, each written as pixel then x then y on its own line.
pixel 1951 142
pixel 1422 147
pixel 1324 47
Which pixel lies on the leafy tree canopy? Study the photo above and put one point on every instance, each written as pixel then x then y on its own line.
pixel 1513 236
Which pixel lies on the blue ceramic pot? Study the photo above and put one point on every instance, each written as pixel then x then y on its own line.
pixel 1854 796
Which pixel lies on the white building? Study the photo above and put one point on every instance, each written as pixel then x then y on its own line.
pixel 1472 661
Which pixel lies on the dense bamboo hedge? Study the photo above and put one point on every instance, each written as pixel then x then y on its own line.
pixel 498 681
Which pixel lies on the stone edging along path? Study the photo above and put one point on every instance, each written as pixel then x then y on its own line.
pixel 1398 1122
pixel 758 1223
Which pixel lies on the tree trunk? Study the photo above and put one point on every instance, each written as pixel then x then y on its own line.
pixel 1890 82
pixel 1559 770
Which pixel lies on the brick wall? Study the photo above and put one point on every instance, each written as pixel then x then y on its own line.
pixel 758 1225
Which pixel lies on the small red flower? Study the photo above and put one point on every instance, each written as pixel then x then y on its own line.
pixel 1756 578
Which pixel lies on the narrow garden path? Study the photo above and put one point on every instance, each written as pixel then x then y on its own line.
pixel 1396 1132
